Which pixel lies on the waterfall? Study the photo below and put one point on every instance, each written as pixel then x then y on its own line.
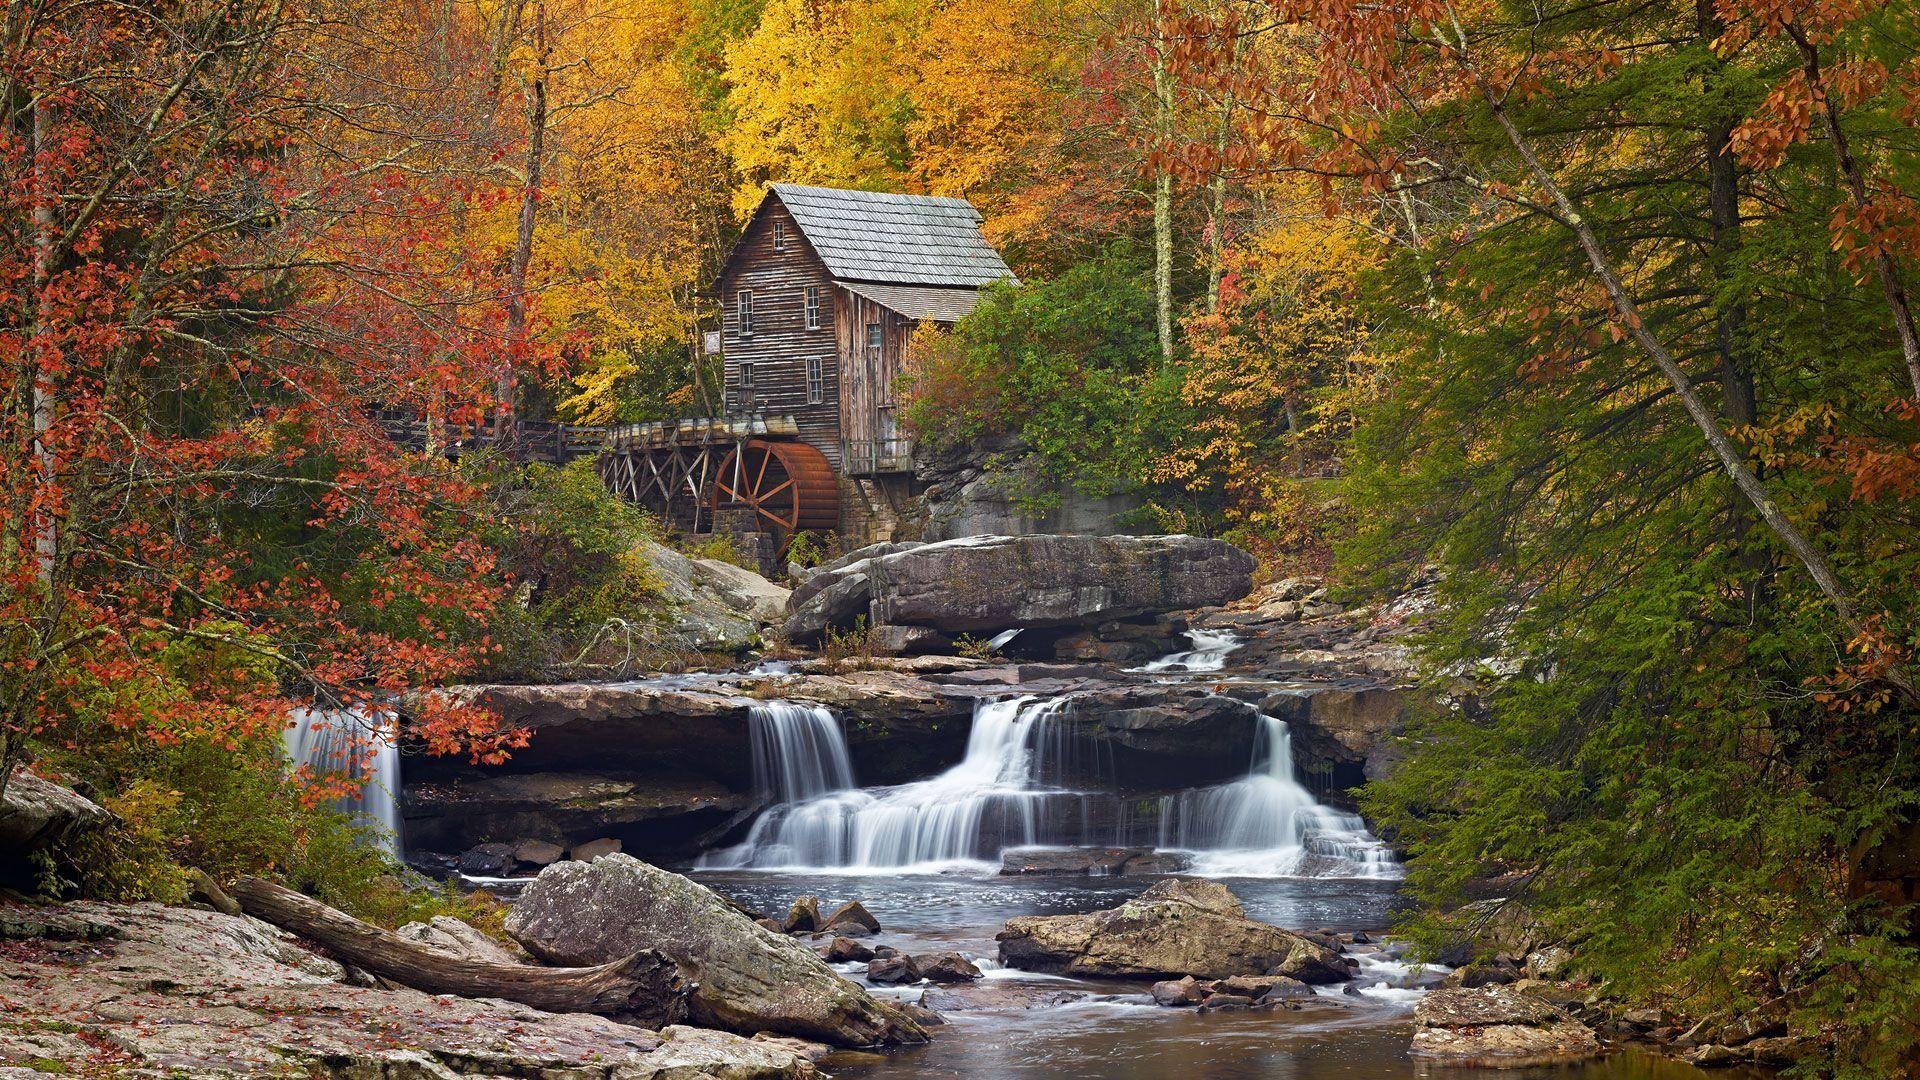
pixel 798 752
pixel 1015 787
pixel 1267 823
pixel 1209 653
pixel 361 746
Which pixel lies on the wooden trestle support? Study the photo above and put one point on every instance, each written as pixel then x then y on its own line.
pixel 689 471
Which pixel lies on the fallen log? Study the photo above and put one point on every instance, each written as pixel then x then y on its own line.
pixel 646 986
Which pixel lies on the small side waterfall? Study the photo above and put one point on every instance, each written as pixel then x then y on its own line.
pixel 1267 823
pixel 364 748
pixel 798 752
pixel 1011 790
pixel 1209 653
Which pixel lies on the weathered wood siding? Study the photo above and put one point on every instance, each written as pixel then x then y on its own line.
pixel 781 344
pixel 867 375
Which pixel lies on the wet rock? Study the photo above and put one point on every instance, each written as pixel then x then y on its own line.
pixel 844 950
pixel 804 916
pixel 1496 972
pixel 185 992
pixel 538 853
pixel 985 584
pixel 593 849
pixel 1263 987
pixel 1095 862
pixel 486 860
pixel 893 970
pixel 1495 1025
pixel 1180 926
pixel 749 979
pixel 1711 1055
pixel 886 950
pixel 947 968
pixel 926 1016
pixel 446 934
pixel 1225 1002
pixel 1185 990
pixel 1645 1019
pixel 851 914
pixel 770 924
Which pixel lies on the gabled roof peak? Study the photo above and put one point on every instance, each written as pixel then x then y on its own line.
pixel 880 237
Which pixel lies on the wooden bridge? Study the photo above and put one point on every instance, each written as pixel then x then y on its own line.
pixel 687 471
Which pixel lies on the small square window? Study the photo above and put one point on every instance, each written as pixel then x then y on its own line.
pixel 813 307
pixel 816 380
pixel 779 236
pixel 744 306
pixel 873 335
pixel 746 376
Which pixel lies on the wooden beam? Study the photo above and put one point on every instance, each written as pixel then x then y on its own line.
pixel 645 986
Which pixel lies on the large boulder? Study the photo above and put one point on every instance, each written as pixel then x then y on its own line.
pixel 748 979
pixel 184 992
pixel 1180 926
pixel 35 815
pixel 1497 1026
pixel 718 607
pixel 986 584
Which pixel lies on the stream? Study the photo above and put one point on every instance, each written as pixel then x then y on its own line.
pixel 924 857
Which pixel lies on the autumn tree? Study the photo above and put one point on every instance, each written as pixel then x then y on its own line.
pixel 206 303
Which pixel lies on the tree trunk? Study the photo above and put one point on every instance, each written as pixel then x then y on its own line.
pixel 1890 283
pixel 645 986
pixel 536 106
pixel 1628 310
pixel 45 539
pixel 1162 187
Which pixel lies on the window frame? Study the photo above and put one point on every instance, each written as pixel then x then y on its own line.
pixel 816 379
pixel 810 305
pixel 876 336
pixel 779 236
pixel 746 375
pixel 743 311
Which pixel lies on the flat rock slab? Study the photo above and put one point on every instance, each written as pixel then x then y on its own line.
pixel 176 990
pixel 1180 926
pixel 1497 1026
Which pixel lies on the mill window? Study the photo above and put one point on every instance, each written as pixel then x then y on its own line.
pixel 779 236
pixel 873 335
pixel 816 380
pixel 813 307
pixel 745 309
pixel 746 376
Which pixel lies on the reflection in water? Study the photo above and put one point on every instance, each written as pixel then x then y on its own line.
pixel 1024 1026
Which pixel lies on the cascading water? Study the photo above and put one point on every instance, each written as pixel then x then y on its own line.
pixel 365 748
pixel 1267 824
pixel 1209 653
pixel 798 752
pixel 1011 790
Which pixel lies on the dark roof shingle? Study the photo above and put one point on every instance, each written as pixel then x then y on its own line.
pixel 942 305
pixel 895 239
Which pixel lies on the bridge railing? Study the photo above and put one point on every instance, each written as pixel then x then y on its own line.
pixel 869 457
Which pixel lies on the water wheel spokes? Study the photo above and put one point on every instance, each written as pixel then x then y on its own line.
pixel 788 485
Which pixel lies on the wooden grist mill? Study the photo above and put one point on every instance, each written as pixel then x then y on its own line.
pixel 748 474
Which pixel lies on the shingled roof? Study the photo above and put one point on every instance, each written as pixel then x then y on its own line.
pixel 871 236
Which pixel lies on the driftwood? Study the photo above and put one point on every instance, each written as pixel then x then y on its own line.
pixel 646 986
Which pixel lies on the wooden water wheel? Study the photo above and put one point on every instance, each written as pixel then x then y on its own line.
pixel 789 485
